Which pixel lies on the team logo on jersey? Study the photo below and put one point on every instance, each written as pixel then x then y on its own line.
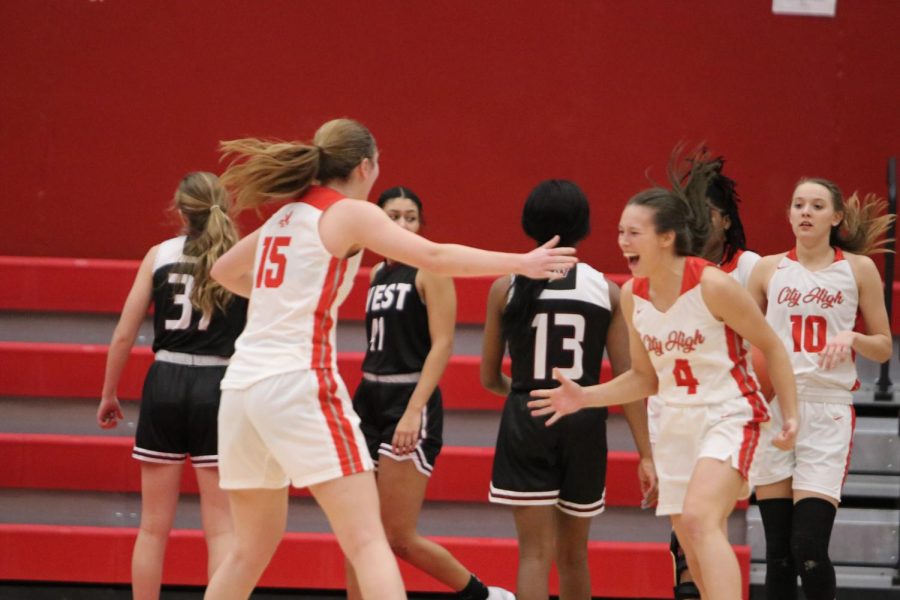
pixel 383 297
pixel 818 295
pixel 286 219
pixel 675 341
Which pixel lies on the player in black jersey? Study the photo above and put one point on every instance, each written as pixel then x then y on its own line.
pixel 555 478
pixel 196 322
pixel 410 319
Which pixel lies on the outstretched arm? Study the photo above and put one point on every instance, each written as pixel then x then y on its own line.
pixel 351 225
pixel 635 384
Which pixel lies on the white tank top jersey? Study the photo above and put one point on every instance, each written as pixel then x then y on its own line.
pixel 741 265
pixel 806 309
pixel 297 289
pixel 698 359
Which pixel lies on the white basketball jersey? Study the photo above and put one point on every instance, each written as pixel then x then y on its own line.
pixel 297 289
pixel 698 359
pixel 808 308
pixel 741 265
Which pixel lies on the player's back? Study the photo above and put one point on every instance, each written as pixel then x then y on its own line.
pixel 177 325
pixel 297 288
pixel 568 331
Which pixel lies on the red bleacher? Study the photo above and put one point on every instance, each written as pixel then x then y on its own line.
pixel 103 463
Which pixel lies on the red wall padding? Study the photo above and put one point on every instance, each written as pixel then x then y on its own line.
pixel 107 104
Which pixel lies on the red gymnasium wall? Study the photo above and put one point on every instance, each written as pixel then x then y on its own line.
pixel 104 104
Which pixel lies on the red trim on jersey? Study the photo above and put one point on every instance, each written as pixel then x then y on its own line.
pixel 838 254
pixel 693 270
pixel 320 197
pixel 732 264
pixel 850 449
pixel 749 388
pixel 640 287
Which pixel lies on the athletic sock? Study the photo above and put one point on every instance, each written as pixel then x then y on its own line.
pixel 813 521
pixel 781 573
pixel 474 590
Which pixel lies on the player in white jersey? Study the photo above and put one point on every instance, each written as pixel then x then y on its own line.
pixel 686 323
pixel 812 296
pixel 195 324
pixel 286 417
pixel 555 479
pixel 726 246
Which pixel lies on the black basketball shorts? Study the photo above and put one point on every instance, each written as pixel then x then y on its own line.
pixel 179 414
pixel 563 465
pixel 380 407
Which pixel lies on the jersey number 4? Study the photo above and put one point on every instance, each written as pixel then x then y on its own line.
pixel 684 377
pixel 541 323
pixel 270 273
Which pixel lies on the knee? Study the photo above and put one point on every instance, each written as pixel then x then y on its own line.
pixel 697 525
pixel 571 557
pixel 401 543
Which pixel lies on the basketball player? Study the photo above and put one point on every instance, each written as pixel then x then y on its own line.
pixel 286 416
pixel 195 322
pixel 686 324
pixel 811 296
pixel 555 478
pixel 410 320
pixel 726 246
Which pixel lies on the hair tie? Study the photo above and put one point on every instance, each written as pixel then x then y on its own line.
pixel 319 148
pixel 215 207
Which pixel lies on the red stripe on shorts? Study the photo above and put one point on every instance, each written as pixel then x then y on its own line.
pixel 749 388
pixel 322 357
pixel 850 449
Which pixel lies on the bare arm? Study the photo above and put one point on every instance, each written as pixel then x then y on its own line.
pixel 758 283
pixel 635 384
pixel 351 225
pixel 109 412
pixel 617 347
pixel 728 301
pixel 492 346
pixel 876 343
pixel 234 269
pixel 439 295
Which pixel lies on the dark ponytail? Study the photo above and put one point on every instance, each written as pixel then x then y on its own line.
pixel 554 207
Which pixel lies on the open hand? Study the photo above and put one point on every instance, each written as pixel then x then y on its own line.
pixel 548 261
pixel 557 402
pixel 839 349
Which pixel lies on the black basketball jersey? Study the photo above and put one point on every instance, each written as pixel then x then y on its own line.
pixel 177 325
pixel 568 331
pixel 396 323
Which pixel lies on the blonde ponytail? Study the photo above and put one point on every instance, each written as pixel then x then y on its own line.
pixel 203 201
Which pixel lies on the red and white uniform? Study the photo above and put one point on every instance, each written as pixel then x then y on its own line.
pixel 806 309
pixel 285 414
pixel 711 404
pixel 740 266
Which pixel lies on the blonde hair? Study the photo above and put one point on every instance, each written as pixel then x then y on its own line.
pixel 863 222
pixel 260 170
pixel 203 201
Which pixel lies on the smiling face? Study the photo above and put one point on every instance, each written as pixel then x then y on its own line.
pixel 642 246
pixel 812 213
pixel 404 213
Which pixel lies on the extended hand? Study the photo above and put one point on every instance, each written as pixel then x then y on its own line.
pixel 548 261
pixel 557 402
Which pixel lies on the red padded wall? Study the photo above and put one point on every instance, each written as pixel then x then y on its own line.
pixel 104 104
